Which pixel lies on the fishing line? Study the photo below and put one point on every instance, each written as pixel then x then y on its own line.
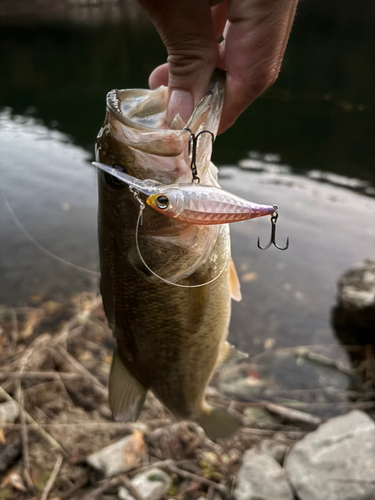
pixel 40 247
pixel 139 222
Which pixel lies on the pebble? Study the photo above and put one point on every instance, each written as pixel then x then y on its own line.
pixel 152 484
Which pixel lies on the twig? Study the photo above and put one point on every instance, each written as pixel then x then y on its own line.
pixel 128 485
pixel 35 424
pixel 210 493
pixel 52 478
pixel 81 369
pixel 320 359
pixel 293 415
pixel 25 441
pixel 292 435
pixel 194 477
pixel 15 330
pixel 126 428
pixel 108 483
pixel 25 375
pixel 80 483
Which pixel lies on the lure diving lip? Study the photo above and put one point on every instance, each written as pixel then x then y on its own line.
pixel 192 203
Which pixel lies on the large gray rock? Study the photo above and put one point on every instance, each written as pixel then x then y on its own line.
pixel 152 484
pixel 261 478
pixel 336 462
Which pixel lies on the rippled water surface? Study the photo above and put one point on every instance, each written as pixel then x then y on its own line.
pixel 307 145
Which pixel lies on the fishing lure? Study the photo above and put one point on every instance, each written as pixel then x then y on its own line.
pixel 193 203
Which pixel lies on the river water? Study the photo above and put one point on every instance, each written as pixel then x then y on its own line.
pixel 307 145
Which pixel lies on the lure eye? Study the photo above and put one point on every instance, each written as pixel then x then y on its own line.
pixel 162 202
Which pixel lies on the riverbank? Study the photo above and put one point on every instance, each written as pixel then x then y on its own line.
pixel 55 420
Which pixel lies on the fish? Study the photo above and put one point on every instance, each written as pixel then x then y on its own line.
pixel 169 339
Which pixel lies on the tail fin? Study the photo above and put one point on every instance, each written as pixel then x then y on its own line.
pixel 126 393
pixel 217 422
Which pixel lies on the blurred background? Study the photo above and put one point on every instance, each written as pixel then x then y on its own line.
pixel 306 145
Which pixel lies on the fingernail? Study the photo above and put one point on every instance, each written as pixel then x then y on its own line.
pixel 180 102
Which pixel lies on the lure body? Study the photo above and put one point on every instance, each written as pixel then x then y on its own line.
pixel 193 203
pixel 198 204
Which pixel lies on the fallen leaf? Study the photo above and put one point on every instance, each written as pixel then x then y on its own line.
pixel 35 317
pixel 135 449
pixel 269 343
pixel 14 479
pixel 247 277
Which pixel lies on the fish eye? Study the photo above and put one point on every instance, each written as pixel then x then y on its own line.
pixel 162 201
pixel 113 181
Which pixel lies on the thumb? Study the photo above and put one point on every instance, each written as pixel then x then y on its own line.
pixel 187 31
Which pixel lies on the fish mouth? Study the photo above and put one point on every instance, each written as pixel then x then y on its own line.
pixel 140 109
pixel 138 119
pixel 146 110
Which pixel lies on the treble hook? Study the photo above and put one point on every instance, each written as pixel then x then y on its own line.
pixel 192 150
pixel 274 218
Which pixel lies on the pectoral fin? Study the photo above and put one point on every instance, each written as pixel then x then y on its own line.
pixel 234 282
pixel 126 393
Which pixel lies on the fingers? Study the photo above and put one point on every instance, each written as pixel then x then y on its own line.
pixel 187 31
pixel 255 42
pixel 159 77
pixel 219 18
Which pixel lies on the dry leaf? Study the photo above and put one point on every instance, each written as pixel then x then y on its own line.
pixel 247 277
pixel 134 450
pixel 2 437
pixel 269 343
pixel 33 320
pixel 14 479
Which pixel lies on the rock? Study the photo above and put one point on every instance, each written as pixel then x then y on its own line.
pixel 120 456
pixel 261 478
pixel 354 316
pixel 274 449
pixel 336 462
pixel 152 484
pixel 356 297
pixel 9 411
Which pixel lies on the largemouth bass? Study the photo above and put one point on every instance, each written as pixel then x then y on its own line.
pixel 169 339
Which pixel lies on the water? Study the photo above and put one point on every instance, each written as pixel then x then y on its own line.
pixel 306 144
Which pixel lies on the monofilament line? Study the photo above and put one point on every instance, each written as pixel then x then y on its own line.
pixel 142 206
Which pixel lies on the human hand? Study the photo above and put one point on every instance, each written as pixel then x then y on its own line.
pixel 255 37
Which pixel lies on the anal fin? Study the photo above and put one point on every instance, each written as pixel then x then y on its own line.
pixel 230 353
pixel 126 393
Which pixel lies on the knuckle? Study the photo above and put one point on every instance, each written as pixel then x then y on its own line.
pixel 189 59
pixel 183 63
